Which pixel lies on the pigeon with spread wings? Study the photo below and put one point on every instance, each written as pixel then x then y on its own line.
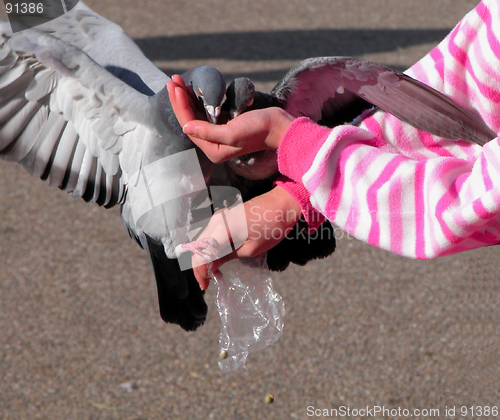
pixel 83 109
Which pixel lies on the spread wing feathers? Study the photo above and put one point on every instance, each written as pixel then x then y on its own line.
pixel 79 26
pixel 315 87
pixel 105 42
pixel 67 120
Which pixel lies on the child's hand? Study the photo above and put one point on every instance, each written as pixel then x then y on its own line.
pixel 250 132
pixel 269 218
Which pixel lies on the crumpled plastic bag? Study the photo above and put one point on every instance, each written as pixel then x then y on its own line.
pixel 250 310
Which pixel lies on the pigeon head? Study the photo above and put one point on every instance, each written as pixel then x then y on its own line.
pixel 209 87
pixel 240 95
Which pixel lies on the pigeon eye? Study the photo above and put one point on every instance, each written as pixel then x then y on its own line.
pixel 200 92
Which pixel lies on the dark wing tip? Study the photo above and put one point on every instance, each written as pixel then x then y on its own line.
pixel 424 107
pixel 180 298
pixel 300 247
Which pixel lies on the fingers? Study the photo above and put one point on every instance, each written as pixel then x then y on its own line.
pixel 250 132
pixel 179 80
pixel 216 141
pixel 204 273
pixel 180 103
pixel 264 219
pixel 184 104
pixel 205 131
pixel 216 134
pixel 222 142
pixel 230 134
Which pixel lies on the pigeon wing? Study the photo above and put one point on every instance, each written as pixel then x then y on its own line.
pixel 71 122
pixel 67 120
pixel 321 87
pixel 107 44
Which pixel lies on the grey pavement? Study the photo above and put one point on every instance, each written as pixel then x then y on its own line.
pixel 80 333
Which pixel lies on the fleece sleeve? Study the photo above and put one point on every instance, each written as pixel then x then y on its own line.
pixel 404 190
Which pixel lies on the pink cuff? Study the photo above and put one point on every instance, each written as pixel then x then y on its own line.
pixel 312 217
pixel 299 146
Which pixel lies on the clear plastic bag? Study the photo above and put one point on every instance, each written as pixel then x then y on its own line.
pixel 250 310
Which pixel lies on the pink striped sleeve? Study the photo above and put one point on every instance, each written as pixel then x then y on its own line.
pixel 404 190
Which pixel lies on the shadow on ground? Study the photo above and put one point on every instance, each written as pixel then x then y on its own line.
pixel 283 45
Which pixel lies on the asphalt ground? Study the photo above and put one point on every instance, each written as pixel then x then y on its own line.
pixel 80 333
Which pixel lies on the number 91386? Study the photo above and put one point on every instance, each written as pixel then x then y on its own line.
pixel 479 411
pixel 24 8
pixel 25 14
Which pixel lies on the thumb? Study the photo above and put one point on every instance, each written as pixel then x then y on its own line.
pixel 206 131
pixel 209 139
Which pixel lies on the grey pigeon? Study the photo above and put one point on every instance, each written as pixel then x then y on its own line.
pixel 84 110
pixel 213 95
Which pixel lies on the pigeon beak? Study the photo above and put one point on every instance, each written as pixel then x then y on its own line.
pixel 233 113
pixel 213 113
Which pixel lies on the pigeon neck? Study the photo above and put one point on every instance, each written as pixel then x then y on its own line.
pixel 265 100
